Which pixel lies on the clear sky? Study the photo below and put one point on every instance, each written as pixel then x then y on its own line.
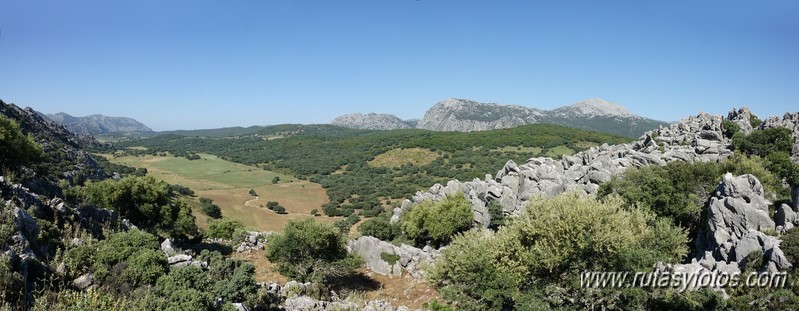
pixel 207 64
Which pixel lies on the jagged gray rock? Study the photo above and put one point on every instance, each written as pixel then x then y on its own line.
pixel 83 282
pixel 737 217
pixel 167 247
pixel 411 259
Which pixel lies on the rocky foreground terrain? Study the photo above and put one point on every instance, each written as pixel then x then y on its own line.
pixel 738 215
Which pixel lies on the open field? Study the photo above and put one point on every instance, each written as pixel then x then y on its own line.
pixel 228 184
pixel 398 157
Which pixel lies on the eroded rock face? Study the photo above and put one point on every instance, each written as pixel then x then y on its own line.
pixel 737 219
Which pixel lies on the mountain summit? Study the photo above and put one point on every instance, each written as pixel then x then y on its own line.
pixel 594 107
pixel 98 124
pixel 465 115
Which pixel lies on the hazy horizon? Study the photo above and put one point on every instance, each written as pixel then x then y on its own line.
pixel 204 64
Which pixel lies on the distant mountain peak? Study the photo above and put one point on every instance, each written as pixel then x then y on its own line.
pixel 457 114
pixel 594 107
pixel 98 124
pixel 373 121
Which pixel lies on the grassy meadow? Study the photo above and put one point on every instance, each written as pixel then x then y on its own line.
pixel 228 184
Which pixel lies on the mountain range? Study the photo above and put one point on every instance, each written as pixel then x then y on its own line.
pixel 465 115
pixel 98 124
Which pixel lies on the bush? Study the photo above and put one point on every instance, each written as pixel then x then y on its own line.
pixel 390 258
pixel 764 142
pixel 548 246
pixel 210 209
pixel 730 128
pixel 381 228
pixel 145 201
pixel 677 191
pixel 310 251
pixel 119 247
pixel 790 246
pixel 145 267
pixel 223 228
pixel 438 222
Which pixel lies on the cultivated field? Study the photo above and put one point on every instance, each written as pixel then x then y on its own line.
pixel 228 184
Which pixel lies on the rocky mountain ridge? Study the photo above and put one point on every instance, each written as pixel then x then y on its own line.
pixel 466 115
pixel 373 121
pixel 98 124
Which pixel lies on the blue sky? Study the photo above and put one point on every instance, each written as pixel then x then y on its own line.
pixel 206 64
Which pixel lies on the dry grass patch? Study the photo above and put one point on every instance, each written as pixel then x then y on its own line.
pixel 398 157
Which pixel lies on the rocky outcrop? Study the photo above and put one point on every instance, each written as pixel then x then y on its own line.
pixel 62 149
pixel 694 139
pixel 98 124
pixel 296 298
pixel 738 216
pixel 253 241
pixel 373 121
pixel 410 260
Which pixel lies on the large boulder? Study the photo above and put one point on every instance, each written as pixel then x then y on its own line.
pixel 737 217
pixel 411 259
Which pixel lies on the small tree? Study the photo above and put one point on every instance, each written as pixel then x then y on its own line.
pixel 275 180
pixel 17 148
pixel 253 193
pixel 311 251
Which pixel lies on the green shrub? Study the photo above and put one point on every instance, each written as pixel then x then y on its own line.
pixel 471 273
pixel 310 251
pixel 790 246
pixel 390 258
pixel 438 222
pixel 144 267
pixel 118 248
pixel 145 201
pixel 677 191
pixel 730 128
pixel 224 228
pixel 79 260
pixel 380 227
pixel 534 260
pixel 210 209
pixel 18 148
pixel 764 142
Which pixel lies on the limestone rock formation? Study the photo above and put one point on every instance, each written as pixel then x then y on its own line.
pixel 411 259
pixel 694 139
